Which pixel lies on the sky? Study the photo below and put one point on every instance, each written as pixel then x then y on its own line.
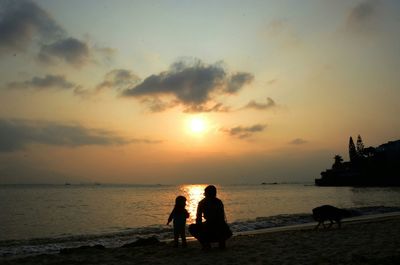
pixel 173 92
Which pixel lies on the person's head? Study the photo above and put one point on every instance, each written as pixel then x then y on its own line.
pixel 210 191
pixel 180 201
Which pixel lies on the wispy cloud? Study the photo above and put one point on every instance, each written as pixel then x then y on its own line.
pixel 243 132
pixel 192 84
pixel 69 50
pixel 362 17
pixel 41 83
pixel 298 141
pixel 154 104
pixel 237 81
pixel 213 107
pixel 118 79
pixel 106 54
pixel 261 106
pixel 19 134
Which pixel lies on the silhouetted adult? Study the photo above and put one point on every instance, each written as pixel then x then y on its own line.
pixel 215 228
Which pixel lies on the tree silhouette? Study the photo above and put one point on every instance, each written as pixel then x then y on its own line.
pixel 360 147
pixel 338 162
pixel 352 150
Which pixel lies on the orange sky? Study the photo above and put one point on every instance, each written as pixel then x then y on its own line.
pixel 108 92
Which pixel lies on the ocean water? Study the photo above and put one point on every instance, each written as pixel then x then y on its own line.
pixel 45 218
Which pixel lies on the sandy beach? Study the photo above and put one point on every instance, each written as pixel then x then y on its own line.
pixel 372 241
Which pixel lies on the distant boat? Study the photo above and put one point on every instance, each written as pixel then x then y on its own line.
pixel 270 183
pixel 67 184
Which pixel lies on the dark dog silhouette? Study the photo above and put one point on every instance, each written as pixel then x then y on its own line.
pixel 329 213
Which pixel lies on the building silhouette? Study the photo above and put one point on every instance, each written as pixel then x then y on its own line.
pixel 371 166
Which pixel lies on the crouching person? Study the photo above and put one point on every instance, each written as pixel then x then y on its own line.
pixel 215 227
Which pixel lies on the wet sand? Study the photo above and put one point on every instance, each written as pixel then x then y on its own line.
pixel 371 241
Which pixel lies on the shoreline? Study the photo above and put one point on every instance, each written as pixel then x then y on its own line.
pixel 357 219
pixel 362 240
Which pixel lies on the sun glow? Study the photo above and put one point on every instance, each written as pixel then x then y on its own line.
pixel 197 125
pixel 193 194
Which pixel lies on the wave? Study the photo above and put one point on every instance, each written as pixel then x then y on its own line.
pixel 52 245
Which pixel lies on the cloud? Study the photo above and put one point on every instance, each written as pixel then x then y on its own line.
pixel 261 106
pixel 83 92
pixel 154 104
pixel 298 141
pixel 217 107
pixel 40 83
pixel 192 83
pixel 237 81
pixel 361 18
pixel 118 79
pixel 19 134
pixel 70 50
pixel 106 54
pixel 242 132
pixel 144 141
pixel 21 21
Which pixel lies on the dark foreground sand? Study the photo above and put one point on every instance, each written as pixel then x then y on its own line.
pixel 374 241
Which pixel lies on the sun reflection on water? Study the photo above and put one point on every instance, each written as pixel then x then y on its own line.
pixel 193 194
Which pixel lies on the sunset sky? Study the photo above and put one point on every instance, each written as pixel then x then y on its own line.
pixel 193 91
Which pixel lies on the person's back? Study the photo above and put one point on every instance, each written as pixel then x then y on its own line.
pixel 215 228
pixel 212 209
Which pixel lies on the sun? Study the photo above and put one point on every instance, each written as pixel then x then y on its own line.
pixel 197 125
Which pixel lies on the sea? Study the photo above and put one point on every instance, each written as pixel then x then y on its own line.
pixel 37 219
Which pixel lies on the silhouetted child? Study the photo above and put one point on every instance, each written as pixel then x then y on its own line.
pixel 179 214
